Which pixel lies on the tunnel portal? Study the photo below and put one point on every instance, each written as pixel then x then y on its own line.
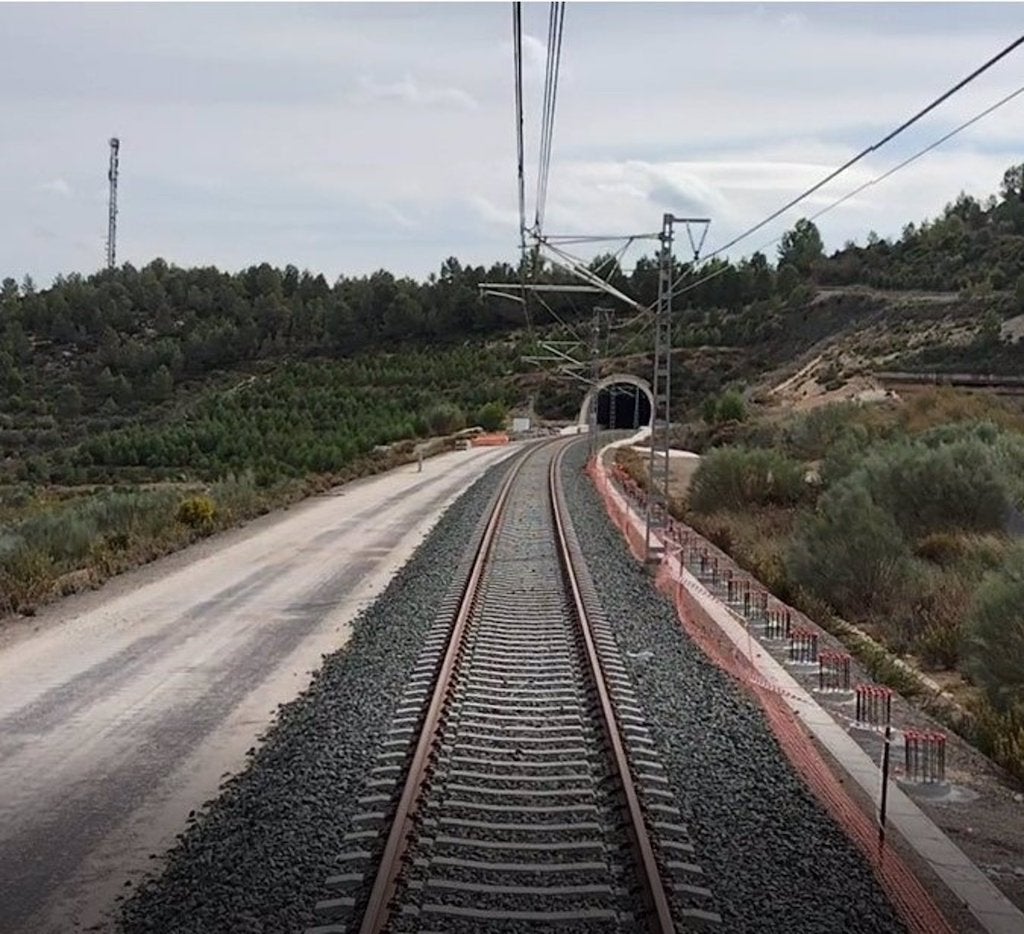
pixel 622 406
pixel 622 401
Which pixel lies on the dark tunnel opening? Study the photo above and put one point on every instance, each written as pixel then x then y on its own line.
pixel 622 405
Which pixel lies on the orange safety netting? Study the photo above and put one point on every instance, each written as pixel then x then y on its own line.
pixel 493 440
pixel 621 496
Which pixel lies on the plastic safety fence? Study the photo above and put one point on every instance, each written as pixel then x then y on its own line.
pixel 683 547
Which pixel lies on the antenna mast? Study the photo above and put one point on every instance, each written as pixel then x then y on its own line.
pixel 115 145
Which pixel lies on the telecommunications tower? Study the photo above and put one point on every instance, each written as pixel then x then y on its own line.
pixel 115 145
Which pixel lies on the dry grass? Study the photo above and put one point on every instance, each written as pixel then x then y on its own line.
pixel 32 573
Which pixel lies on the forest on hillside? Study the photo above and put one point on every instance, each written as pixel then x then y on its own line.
pixel 124 338
pixel 140 408
pixel 120 368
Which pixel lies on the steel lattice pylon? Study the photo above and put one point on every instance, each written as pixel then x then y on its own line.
pixel 661 419
pixel 115 145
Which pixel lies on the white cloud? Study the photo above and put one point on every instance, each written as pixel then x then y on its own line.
pixel 320 134
pixel 57 186
pixel 399 217
pixel 409 91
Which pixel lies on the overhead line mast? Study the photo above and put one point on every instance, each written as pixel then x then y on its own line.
pixel 115 146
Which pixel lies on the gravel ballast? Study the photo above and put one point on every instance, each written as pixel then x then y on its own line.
pixel 775 860
pixel 256 858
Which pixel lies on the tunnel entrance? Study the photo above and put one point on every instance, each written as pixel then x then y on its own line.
pixel 622 406
pixel 620 401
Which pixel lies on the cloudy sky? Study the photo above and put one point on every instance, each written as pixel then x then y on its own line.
pixel 349 137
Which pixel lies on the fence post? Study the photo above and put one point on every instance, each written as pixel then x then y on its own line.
pixel 885 785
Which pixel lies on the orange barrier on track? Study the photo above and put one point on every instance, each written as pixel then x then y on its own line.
pixel 908 895
pixel 486 441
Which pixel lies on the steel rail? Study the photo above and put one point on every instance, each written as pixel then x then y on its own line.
pixel 654 889
pixel 378 909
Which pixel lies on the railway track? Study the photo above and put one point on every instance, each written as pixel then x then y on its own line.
pixel 518 788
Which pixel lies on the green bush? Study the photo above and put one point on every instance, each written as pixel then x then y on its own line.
pixel 67 533
pixel 732 477
pixel 849 553
pixel 197 512
pixel 731 407
pixel 728 407
pixel 491 416
pixel 445 418
pixel 994 635
pixel 813 435
pixel 999 734
pixel 932 489
pixel 933 607
pixel 709 409
pixel 845 453
pixel 26 577
pixel 939 646
pixel 238 496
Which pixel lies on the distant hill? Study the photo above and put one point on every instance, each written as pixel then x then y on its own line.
pixel 161 371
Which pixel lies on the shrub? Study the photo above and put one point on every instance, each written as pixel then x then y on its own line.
pixel 850 553
pixel 728 407
pixel 445 418
pixel 938 646
pixel 812 435
pixel 937 602
pixel 845 453
pixel 26 578
pixel 942 548
pixel 925 489
pixel 732 477
pixel 709 410
pixel 994 639
pixel 197 512
pixel 999 734
pixel 491 416
pixel 68 533
pixel 731 408
pixel 237 497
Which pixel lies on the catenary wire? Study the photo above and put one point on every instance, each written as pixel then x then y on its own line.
pixel 872 148
pixel 831 206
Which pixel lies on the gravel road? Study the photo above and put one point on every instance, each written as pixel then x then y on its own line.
pixel 121 711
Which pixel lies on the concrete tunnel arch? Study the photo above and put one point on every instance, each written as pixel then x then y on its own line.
pixel 616 379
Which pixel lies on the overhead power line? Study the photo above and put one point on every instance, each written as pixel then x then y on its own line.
pixel 556 21
pixel 874 181
pixel 917 155
pixel 872 148
pixel 517 55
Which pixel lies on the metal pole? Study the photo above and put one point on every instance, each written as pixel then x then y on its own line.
pixel 115 145
pixel 885 784
pixel 595 349
pixel 656 498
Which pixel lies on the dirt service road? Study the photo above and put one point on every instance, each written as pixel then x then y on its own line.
pixel 120 711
